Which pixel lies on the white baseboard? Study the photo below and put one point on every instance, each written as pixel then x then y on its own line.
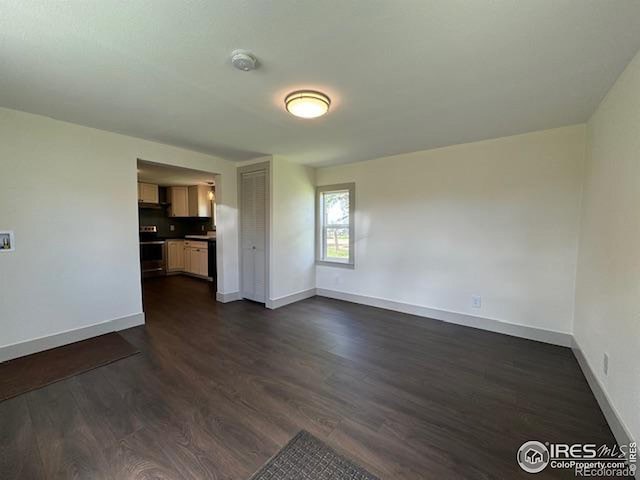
pixel 195 275
pixel 21 349
pixel 287 299
pixel 492 325
pixel 228 297
pixel 618 427
pixel 128 322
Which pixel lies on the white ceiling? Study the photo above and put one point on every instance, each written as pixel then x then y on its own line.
pixel 169 176
pixel 404 75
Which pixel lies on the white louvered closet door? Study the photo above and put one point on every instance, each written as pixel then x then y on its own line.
pixel 254 231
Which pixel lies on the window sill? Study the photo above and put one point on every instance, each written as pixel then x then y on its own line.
pixel 325 263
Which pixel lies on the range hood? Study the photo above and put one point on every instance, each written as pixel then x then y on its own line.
pixel 153 206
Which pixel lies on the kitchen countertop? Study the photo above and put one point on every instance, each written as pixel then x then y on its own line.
pixel 201 238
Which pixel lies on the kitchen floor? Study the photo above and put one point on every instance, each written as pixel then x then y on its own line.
pixel 220 388
pixel 160 285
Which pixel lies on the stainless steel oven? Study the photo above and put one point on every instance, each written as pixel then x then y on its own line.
pixel 152 252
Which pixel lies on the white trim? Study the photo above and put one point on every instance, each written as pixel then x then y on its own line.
pixel 195 275
pixel 618 427
pixel 253 161
pixel 532 333
pixel 128 322
pixel 36 345
pixel 274 303
pixel 228 297
pixel 321 226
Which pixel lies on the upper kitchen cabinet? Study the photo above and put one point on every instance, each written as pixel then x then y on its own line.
pixel 179 199
pixel 193 201
pixel 200 201
pixel 147 193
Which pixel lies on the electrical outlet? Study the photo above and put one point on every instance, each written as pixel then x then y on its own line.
pixel 476 301
pixel 605 364
pixel 172 227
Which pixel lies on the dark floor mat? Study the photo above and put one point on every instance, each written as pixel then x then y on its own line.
pixel 34 371
pixel 307 458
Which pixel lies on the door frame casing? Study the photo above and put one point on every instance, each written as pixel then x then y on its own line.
pixel 257 167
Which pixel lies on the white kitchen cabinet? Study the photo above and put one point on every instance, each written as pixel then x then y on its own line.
pixel 148 193
pixel 179 199
pixel 175 256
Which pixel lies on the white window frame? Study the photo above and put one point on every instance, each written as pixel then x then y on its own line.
pixel 321 228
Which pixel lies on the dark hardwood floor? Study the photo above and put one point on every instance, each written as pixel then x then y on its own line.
pixel 220 388
pixel 21 375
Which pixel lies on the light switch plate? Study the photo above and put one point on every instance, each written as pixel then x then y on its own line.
pixel 7 241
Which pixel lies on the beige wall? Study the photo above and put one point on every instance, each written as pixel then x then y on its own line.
pixel 292 262
pixel 607 316
pixel 69 193
pixel 496 218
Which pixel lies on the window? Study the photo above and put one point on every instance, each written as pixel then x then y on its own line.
pixel 334 218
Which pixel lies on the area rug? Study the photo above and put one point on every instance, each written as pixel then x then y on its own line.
pixel 307 458
pixel 34 371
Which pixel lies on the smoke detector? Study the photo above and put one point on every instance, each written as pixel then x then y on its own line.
pixel 243 60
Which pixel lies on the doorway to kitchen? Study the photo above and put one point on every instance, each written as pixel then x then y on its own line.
pixel 177 225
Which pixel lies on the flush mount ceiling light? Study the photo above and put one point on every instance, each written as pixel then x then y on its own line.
pixel 307 103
